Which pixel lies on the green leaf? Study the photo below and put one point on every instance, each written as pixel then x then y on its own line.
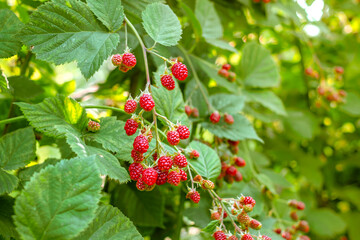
pixel 161 23
pixel 133 9
pixel 192 18
pixel 110 223
pixel 8 182
pixel 209 19
pixel 169 103
pixel 267 99
pixel 17 149
pixel 195 97
pixel 56 111
pixel 266 181
pixel 10 26
pixel 222 44
pixel 143 208
pixel 109 12
pixel 24 88
pixel 258 68
pixel 4 83
pixel 325 222
pixel 7 228
pixel 66 31
pixel 227 103
pixel 241 129
pixel 106 162
pixel 26 173
pixel 212 73
pixel 208 164
pixel 352 104
pixel 210 228
pixel 276 178
pixel 303 124
pixel 59 201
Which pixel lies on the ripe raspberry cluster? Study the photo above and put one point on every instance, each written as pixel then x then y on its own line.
pixel 328 92
pixel 93 126
pixel 239 212
pixel 178 70
pixel 125 62
pixel 294 231
pixel 226 73
pixel 264 1
pixel 215 118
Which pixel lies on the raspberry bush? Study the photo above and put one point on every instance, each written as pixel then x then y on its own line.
pixel 203 119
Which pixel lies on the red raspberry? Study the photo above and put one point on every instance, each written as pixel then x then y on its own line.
pixel 233 143
pixel 231 171
pixel 215 117
pixel 147 102
pixel 248 208
pixel 266 1
pixel 129 60
pixel 124 68
pixel 162 176
pixel 116 59
pixel 255 224
pixel 339 70
pixel 135 170
pixel 183 131
pixel 194 196
pixel 155 156
pixel 286 235
pixel 303 226
pixel 141 144
pixel 321 90
pixel 195 113
pixel 247 237
pixel 238 177
pixel 93 126
pixel 232 237
pixel 219 235
pixel 130 106
pixel 292 203
pixel 180 161
pixel 264 237
pixel 188 110
pixel 228 178
pixel 226 66
pixel 243 218
pixel 183 175
pixel 168 82
pixel 247 200
pixel 342 93
pixel 140 185
pixel 309 71
pixel 180 71
pixel 224 214
pixel 215 216
pixel 174 178
pixel 136 156
pixel 149 176
pixel 173 137
pixel 239 162
pixel 277 230
pixel 294 216
pixel 164 163
pixel 207 184
pixel 300 205
pixel 198 178
pixel 223 72
pixel 130 127
pixel 232 77
pixel 228 118
pixel 194 154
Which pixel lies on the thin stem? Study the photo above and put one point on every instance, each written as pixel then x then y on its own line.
pixel 11 120
pixel 105 107
pixel 158 55
pixel 210 108
pixel 26 63
pixel 126 37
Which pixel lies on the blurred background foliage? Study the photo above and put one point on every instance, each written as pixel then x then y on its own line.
pixel 310 150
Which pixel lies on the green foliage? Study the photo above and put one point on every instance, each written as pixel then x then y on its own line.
pixel 161 23
pixel 57 111
pixel 69 32
pixel 325 222
pixel 10 26
pixel 109 12
pixel 208 19
pixel 59 201
pixel 208 164
pixel 110 223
